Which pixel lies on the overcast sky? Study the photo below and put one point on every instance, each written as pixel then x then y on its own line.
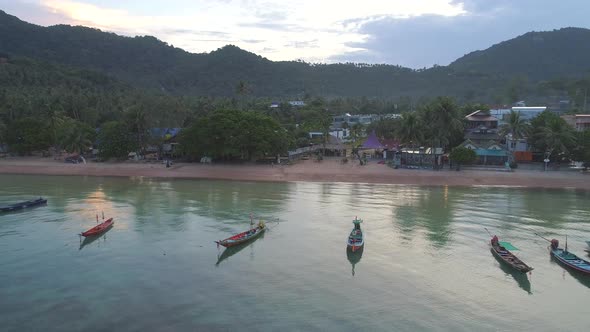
pixel 416 33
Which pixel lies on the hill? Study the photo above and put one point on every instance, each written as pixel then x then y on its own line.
pixel 148 63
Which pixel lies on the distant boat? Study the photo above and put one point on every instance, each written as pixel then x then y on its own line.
pixel 244 236
pixel 100 228
pixel 356 240
pixel 568 259
pixel 22 205
pixel 499 250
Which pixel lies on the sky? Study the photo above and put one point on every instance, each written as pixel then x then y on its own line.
pixel 410 33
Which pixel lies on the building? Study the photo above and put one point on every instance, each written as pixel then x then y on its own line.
pixel 363 119
pixel 580 122
pixel 297 103
pixel 491 153
pixel 481 128
pixel 526 113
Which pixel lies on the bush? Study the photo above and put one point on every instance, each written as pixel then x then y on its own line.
pixel 513 165
pixel 462 155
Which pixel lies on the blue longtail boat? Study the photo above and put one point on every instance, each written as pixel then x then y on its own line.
pixel 22 205
pixel 356 240
pixel 567 258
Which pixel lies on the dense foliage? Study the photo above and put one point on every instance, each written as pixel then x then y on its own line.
pixel 230 135
pixel 462 155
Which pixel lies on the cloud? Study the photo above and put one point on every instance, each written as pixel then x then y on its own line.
pixel 411 33
pixel 436 39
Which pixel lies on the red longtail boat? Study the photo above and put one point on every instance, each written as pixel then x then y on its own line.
pixel 100 228
pixel 244 236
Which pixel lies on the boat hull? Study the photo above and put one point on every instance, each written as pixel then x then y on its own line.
pixel 23 205
pixel 242 237
pixel 100 228
pixel 570 260
pixel 356 240
pixel 509 259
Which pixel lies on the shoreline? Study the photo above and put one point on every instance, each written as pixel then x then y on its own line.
pixel 329 170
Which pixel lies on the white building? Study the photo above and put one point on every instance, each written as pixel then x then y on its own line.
pixel 526 113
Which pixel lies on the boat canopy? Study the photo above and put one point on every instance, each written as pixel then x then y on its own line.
pixel 507 245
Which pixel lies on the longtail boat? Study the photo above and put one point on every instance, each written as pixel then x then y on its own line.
pixel 244 236
pixel 567 258
pixel 356 240
pixel 501 252
pixel 22 205
pixel 100 228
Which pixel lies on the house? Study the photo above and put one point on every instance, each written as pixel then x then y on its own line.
pixel 363 119
pixel 167 137
pixel 526 113
pixel 490 153
pixel 275 104
pixel 481 128
pixel 580 122
pixel 297 103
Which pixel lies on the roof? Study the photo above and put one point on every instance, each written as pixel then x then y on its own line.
pixel 372 142
pixel 480 116
pixel 493 153
pixel 164 132
pixel 390 143
pixel 478 136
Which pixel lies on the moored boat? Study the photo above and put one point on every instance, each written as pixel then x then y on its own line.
pixel 356 240
pixel 499 250
pixel 567 258
pixel 22 205
pixel 100 228
pixel 244 236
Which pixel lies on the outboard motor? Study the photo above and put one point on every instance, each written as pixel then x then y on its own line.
pixel 554 244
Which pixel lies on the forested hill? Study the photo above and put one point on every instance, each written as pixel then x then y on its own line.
pixel 537 55
pixel 147 62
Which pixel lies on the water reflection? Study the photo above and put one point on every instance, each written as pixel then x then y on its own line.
pixel 228 252
pixel 521 278
pixel 354 257
pixel 90 239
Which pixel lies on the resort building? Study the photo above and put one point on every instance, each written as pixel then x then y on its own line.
pixel 580 122
pixel 481 135
pixel 526 113
pixel 363 119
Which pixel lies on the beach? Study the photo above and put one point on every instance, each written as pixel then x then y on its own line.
pixel 330 170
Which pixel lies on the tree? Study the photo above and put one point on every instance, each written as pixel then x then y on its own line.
pixel 442 121
pixel 75 136
pixel 137 124
pixel 551 134
pixel 411 130
pixel 115 141
pixel 581 152
pixel 516 127
pixel 462 155
pixel 27 135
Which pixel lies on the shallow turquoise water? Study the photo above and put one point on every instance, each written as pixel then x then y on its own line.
pixel 426 263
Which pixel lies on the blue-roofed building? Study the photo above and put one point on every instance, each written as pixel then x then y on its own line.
pixel 491 153
pixel 168 142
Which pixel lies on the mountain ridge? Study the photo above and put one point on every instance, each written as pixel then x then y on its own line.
pixel 149 63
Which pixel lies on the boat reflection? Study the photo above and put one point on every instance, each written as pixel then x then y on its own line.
pixel 354 256
pixel 228 252
pixel 89 239
pixel 521 278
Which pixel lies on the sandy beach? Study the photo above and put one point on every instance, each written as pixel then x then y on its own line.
pixel 325 171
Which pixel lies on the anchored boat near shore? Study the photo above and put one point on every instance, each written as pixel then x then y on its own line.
pixel 22 205
pixel 356 239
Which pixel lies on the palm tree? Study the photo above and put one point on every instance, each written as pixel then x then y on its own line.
pixel 54 115
pixel 516 127
pixel 77 139
pixel 242 89
pixel 410 129
pixel 444 121
pixel 557 136
pixel 137 121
